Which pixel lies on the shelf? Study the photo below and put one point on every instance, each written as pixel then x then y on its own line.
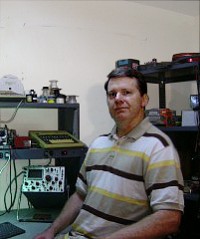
pixel 165 73
pixel 68 113
pixel 12 104
pixel 169 73
pixel 68 119
pixel 41 153
pixel 179 128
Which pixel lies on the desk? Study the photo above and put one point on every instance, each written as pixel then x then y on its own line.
pixel 31 228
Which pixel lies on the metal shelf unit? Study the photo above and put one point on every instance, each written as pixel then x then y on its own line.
pixel 184 138
pixel 68 119
pixel 163 74
pixel 68 114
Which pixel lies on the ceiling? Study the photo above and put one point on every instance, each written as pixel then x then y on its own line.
pixel 190 8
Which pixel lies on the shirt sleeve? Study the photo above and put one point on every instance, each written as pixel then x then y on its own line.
pixel 164 181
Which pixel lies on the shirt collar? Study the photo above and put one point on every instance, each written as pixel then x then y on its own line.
pixel 136 133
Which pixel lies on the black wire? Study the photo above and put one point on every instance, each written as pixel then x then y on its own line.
pixel 6 211
pixel 9 188
pixel 16 186
pixel 11 197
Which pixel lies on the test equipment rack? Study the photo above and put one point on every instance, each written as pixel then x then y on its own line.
pixel 68 120
pixel 185 138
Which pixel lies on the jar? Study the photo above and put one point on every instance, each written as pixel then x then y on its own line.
pixel 53 85
pixel 51 99
pixel 71 99
pixel 34 95
pixel 45 91
pixel 31 97
pixel 61 99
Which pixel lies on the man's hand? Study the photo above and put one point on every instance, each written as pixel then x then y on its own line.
pixel 47 234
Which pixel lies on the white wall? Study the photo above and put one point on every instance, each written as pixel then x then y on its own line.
pixel 78 42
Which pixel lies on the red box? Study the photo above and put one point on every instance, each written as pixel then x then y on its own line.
pixel 21 142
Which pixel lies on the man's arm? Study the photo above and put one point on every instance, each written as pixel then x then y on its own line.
pixel 156 225
pixel 66 217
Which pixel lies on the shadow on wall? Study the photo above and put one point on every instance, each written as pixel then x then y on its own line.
pixel 99 117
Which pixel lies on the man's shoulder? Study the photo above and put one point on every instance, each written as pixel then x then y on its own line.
pixel 101 140
pixel 158 134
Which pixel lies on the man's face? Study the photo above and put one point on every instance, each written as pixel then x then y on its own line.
pixel 124 100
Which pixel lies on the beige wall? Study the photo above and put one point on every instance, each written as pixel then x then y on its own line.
pixel 78 42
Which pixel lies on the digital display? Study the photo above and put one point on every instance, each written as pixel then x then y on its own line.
pixel 35 173
pixel 123 62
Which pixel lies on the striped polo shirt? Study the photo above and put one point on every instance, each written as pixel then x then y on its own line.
pixel 125 179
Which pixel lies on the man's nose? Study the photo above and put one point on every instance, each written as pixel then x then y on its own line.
pixel 119 96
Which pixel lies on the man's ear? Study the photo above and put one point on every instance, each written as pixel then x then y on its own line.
pixel 145 100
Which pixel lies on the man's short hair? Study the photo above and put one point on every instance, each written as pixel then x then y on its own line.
pixel 128 72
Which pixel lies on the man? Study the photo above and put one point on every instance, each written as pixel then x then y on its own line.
pixel 130 185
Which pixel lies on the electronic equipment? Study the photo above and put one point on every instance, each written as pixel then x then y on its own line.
pixel 21 142
pixel 186 57
pixel 44 179
pixel 6 136
pixel 38 215
pixel 11 85
pixel 4 152
pixel 55 139
pixel 165 116
pixel 8 230
pixel 127 63
pixel 44 186
pixel 194 102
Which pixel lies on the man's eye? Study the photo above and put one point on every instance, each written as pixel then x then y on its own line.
pixel 112 94
pixel 126 92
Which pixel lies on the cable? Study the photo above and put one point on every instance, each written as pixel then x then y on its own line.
pixel 13 116
pixel 19 203
pixel 50 159
pixel 2 169
pixel 8 189
pixel 12 200
pixel 15 180
pixel 11 196
pixel 7 162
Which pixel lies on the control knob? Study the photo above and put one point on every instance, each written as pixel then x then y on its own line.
pixel 48 178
